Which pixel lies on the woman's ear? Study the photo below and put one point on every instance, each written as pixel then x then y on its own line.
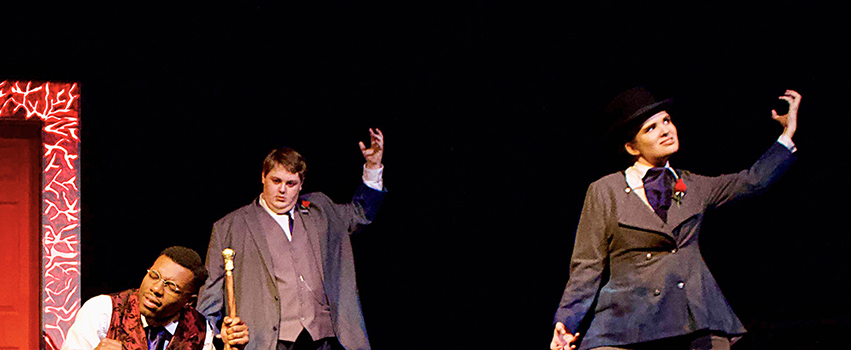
pixel 631 150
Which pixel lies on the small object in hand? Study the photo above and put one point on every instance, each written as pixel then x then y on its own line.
pixel 780 106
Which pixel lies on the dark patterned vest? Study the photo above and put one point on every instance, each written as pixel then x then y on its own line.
pixel 126 325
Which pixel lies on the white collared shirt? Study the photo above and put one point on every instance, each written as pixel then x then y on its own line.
pixel 283 220
pixel 171 327
pixel 92 324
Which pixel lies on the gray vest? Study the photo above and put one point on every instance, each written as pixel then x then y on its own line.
pixel 298 276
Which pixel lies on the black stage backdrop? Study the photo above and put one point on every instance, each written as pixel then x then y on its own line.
pixel 492 118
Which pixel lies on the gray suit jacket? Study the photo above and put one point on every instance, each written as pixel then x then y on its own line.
pixel 636 278
pixel 328 226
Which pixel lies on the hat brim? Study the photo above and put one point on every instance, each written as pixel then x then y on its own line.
pixel 647 111
pixel 623 131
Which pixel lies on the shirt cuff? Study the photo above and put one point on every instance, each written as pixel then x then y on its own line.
pixel 374 178
pixel 787 142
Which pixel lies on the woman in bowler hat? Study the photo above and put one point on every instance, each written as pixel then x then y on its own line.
pixel 637 279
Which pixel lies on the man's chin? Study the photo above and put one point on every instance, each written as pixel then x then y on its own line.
pixel 281 207
pixel 144 311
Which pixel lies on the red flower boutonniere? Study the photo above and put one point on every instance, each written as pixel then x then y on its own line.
pixel 679 191
pixel 303 206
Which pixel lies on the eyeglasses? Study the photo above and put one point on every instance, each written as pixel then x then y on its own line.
pixel 169 285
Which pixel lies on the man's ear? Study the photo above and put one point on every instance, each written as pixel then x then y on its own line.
pixel 631 150
pixel 191 301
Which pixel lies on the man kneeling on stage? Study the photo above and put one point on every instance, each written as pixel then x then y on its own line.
pixel 159 315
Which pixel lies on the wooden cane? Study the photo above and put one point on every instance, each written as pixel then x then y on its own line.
pixel 228 255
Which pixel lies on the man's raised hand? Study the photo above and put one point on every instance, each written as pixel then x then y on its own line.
pixel 375 151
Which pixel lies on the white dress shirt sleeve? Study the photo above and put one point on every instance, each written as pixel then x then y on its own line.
pixel 91 324
pixel 373 178
pixel 787 141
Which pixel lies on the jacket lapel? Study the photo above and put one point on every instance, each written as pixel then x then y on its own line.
pixel 689 207
pixel 304 225
pixel 639 215
pixel 633 212
pixel 255 230
pixel 636 214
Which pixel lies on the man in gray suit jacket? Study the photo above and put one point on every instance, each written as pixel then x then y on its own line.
pixel 637 279
pixel 294 276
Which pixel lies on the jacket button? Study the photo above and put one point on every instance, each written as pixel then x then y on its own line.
pixel 674 251
pixel 657 292
pixel 627 190
pixel 649 256
pixel 274 328
pixel 276 298
pixel 681 285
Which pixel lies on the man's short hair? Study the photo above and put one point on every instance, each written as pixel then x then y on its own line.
pixel 287 158
pixel 189 259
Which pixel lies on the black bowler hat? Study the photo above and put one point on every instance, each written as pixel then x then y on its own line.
pixel 630 110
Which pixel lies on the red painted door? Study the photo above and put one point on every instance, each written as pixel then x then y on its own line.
pixel 19 239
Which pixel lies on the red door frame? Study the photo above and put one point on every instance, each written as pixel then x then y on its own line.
pixel 57 104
